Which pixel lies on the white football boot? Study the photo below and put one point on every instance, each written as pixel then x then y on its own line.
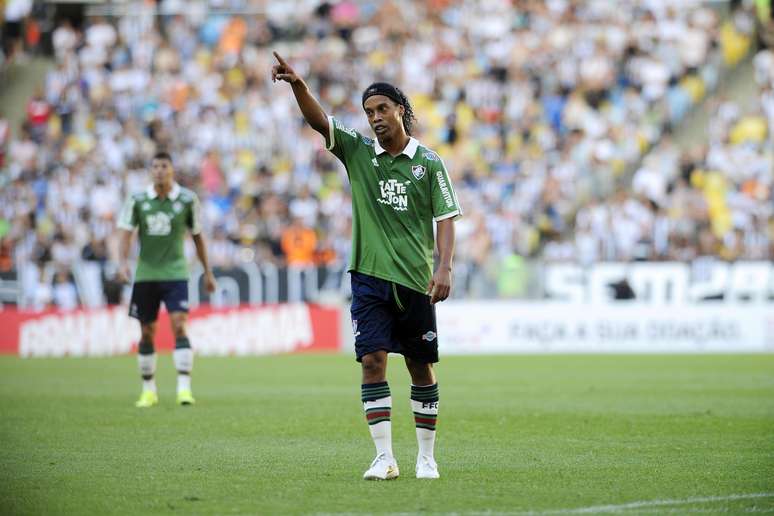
pixel 426 467
pixel 383 467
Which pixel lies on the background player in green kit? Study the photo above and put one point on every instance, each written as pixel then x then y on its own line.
pixel 162 214
pixel 399 187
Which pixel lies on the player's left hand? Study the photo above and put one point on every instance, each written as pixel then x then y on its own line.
pixel 209 282
pixel 440 285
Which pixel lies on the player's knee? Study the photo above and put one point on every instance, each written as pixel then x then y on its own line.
pixel 148 332
pixel 178 327
pixel 421 373
pixel 374 365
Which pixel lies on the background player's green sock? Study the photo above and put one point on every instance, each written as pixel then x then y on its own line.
pixel 377 404
pixel 146 362
pixel 183 358
pixel 424 403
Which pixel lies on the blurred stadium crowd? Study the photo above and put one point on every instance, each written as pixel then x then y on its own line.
pixel 554 118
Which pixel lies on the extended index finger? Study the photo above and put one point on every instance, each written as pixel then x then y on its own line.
pixel 279 58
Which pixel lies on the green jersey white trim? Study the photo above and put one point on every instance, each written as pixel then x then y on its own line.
pixel 162 224
pixel 409 150
pixel 395 200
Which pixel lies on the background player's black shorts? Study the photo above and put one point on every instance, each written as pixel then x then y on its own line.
pixel 391 317
pixel 148 295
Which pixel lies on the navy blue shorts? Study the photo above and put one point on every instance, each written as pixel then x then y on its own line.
pixel 390 317
pixel 148 295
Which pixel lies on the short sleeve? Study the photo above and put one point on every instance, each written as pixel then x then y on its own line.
pixel 341 140
pixel 127 219
pixel 445 203
pixel 194 221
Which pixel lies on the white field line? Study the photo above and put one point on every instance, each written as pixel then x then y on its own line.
pixel 647 504
pixel 594 509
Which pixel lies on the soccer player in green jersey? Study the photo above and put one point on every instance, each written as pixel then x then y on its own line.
pixel 162 214
pixel 399 187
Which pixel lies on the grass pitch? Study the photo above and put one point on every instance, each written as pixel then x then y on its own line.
pixel 286 435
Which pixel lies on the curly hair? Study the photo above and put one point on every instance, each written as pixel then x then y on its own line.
pixel 408 113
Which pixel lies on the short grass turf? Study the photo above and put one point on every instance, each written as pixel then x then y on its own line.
pixel 286 435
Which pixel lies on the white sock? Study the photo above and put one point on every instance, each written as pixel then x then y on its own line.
pixel 183 382
pixel 149 385
pixel 183 358
pixel 425 436
pixel 147 366
pixel 381 431
pixel 424 404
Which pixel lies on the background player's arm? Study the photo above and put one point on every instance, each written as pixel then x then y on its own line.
pixel 441 282
pixel 201 253
pixel 313 112
pixel 194 223
pixel 124 243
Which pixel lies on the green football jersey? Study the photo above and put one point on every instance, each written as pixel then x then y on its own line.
pixel 162 225
pixel 394 203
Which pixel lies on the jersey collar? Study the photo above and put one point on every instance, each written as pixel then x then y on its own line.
pixel 409 150
pixel 151 192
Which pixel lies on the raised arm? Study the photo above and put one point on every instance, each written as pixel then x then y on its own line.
pixel 313 112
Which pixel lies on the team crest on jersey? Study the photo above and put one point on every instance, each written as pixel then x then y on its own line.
pixel 177 207
pixel 146 206
pixel 418 171
pixel 367 140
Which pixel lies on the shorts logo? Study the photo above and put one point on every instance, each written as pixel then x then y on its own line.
pixel 133 310
pixel 418 171
pixel 429 336
pixel 354 327
pixel 184 304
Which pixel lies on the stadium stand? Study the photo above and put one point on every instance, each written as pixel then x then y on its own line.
pixel 541 113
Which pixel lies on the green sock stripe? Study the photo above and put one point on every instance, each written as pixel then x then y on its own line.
pixel 426 427
pixel 145 347
pixel 377 420
pixel 375 393
pixel 425 397
pixel 372 392
pixel 377 390
pixel 182 343
pixel 432 390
